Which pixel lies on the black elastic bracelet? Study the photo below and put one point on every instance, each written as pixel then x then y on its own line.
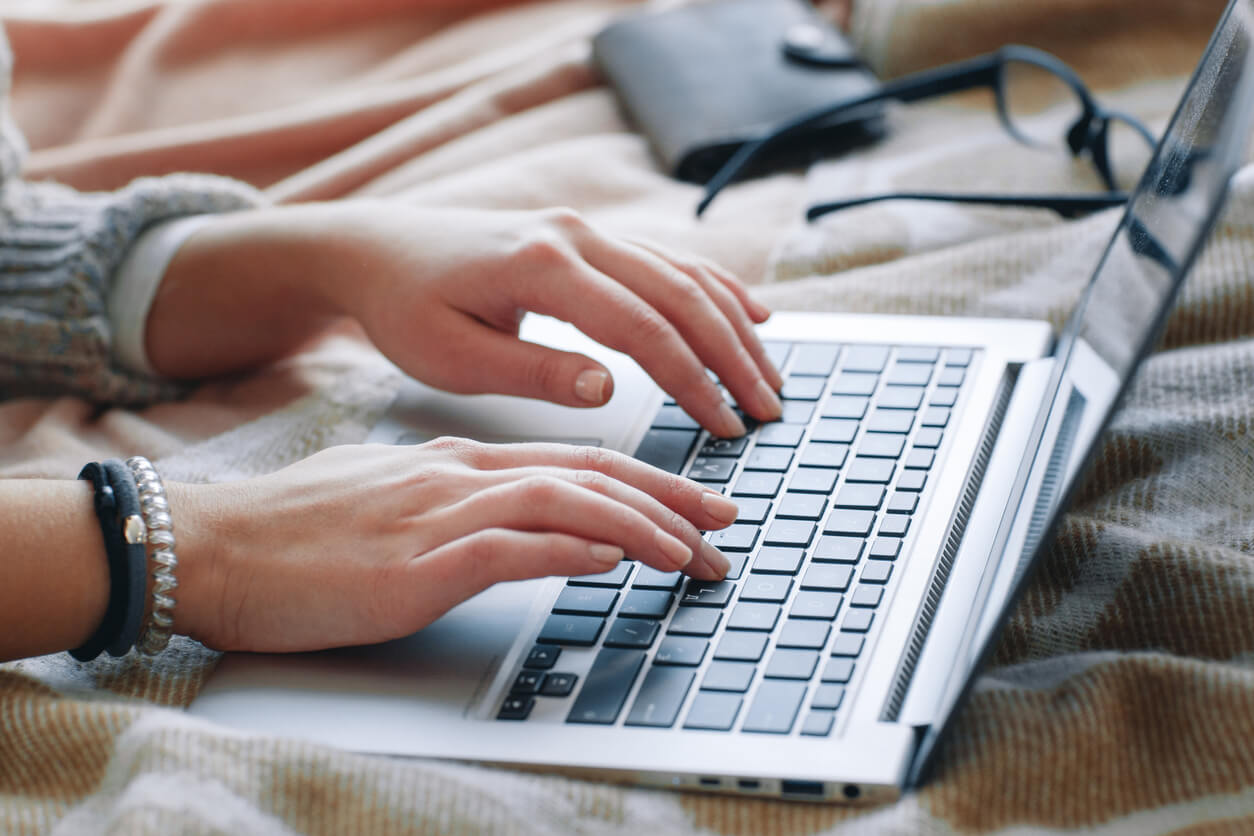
pixel 106 513
pixel 130 523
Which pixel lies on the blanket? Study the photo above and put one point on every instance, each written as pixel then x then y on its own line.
pixel 1121 695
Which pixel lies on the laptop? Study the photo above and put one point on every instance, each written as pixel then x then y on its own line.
pixel 887 525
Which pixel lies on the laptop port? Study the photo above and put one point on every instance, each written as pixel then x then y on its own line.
pixel 808 789
pixel 851 791
pixel 749 784
pixel 711 782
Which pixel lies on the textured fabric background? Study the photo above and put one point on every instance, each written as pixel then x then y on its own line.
pixel 1121 698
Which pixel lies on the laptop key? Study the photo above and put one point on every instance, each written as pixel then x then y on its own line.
pixel 827 697
pixel 890 421
pixel 813 604
pixel 838 670
pixel 803 388
pixel 631 632
pixel 769 458
pixel 646 603
pixel 542 657
pixel 958 357
pixel 866 596
pixel 847 644
pixel 616 577
pixel 858 621
pixel 918 354
pixel 734 538
pixel 935 416
pixel 881 445
pixel 650 578
pixel 711 469
pixel 741 646
pixel 894 525
pixel 912 480
pixel 527 682
pixel 796 412
pixel 866 496
pixel 818 723
pixel 835 430
pixel 724 446
pixel 769 588
pixel 951 376
pixel 775 707
pixel 900 397
pixel 582 600
pixel 755 483
pixel 909 374
pixel 801 506
pixel 854 383
pixel 674 418
pixel 831 577
pixel 943 397
pixel 666 449
pixel 790 533
pixel 865 358
pixel 681 650
pixel 885 548
pixel 752 510
pixel 778 561
pixel 559 685
pixel 919 459
pixel 606 686
pixel 735 565
pixel 707 593
pixel 695 621
pixel 571 629
pixel 928 438
pixel 728 676
pixel 839 549
pixel 777 352
pixel 846 406
pixel 749 615
pixel 780 435
pixel 815 359
pixel 814 480
pixel 792 664
pixel 811 635
pixel 713 710
pixel 871 470
pixel 516 707
pixel 660 698
pixel 903 503
pixel 820 454
pixel 876 571
pixel 850 521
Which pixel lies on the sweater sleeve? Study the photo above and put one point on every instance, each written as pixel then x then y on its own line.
pixel 59 252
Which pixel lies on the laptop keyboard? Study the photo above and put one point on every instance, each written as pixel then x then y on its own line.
pixel 827 496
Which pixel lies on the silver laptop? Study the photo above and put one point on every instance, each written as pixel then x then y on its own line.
pixel 888 523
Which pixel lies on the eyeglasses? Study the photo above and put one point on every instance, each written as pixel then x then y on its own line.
pixel 1041 102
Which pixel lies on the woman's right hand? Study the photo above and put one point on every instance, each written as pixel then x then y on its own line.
pixel 368 543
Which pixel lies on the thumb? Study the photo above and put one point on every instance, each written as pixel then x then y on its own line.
pixel 503 364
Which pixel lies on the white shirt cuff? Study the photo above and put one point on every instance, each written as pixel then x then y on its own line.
pixel 135 285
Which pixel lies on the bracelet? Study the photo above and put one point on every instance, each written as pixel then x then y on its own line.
pixel 160 535
pixel 116 501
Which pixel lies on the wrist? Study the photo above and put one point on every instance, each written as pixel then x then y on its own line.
pixel 201 527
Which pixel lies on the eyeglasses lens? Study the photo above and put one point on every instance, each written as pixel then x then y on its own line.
pixel 1040 106
pixel 1128 152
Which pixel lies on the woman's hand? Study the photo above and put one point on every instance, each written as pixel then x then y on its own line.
pixel 442 292
pixel 364 544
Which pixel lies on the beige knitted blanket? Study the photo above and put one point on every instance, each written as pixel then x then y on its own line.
pixel 1121 698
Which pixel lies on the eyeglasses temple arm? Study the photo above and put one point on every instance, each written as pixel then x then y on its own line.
pixel 1065 205
pixel 952 78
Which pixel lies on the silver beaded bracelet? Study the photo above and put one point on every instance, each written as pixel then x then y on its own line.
pixel 162 560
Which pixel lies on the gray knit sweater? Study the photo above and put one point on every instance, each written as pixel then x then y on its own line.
pixel 59 251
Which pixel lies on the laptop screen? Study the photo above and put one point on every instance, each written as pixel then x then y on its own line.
pixel 1125 304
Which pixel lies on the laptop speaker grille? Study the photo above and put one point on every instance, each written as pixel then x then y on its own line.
pixel 940 575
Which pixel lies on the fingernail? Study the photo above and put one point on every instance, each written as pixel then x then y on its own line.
pixel 673 548
pixel 715 559
pixel 605 553
pixel 768 401
pixel 759 311
pixel 719 507
pixel 733 427
pixel 590 386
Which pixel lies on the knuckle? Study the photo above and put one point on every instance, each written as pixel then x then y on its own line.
pixel 540 491
pixel 592 480
pixel 546 373
pixel 462 449
pixel 565 218
pixel 542 249
pixel 647 325
pixel 595 459
pixel 690 294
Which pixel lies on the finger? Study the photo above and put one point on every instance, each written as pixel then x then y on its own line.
pixel 546 504
pixel 731 307
pixel 688 306
pixel 470 564
pixel 705 509
pixel 755 309
pixel 488 360
pixel 665 518
pixel 611 314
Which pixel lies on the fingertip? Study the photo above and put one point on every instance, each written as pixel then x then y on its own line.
pixel 594 386
pixel 605 556
pixel 758 312
pixel 719 508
